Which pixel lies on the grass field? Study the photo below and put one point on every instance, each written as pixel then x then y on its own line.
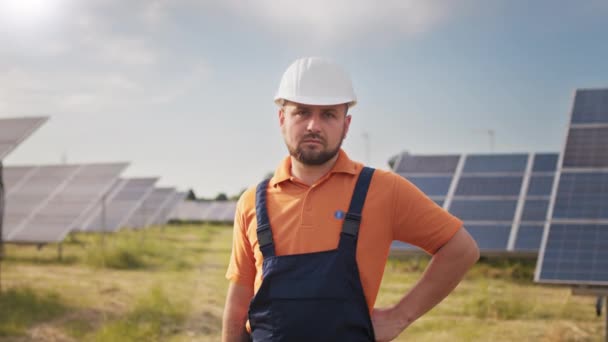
pixel 168 285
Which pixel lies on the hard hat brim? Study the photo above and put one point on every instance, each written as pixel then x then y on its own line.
pixel 316 101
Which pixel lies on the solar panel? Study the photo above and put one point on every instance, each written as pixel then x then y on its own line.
pixel 535 210
pixel 540 185
pixel 14 130
pixel 590 106
pixel 426 164
pixel 163 216
pixel 229 211
pixel 128 195
pixel 189 211
pixel 15 176
pixel 489 186
pixel 574 248
pixel 496 163
pixel 66 207
pixel 214 212
pixel 545 162
pixel 582 196
pixel 586 147
pixel 150 208
pixel 179 198
pixel 156 218
pixel 576 253
pixel 490 237
pixel 43 183
pixel 484 210
pixel 432 186
pixel 496 194
pixel 529 237
pixel 94 210
pixel 207 211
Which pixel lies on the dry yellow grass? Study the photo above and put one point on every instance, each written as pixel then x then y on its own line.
pixel 177 293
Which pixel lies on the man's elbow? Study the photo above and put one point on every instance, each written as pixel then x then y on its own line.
pixel 463 247
pixel 471 250
pixel 474 252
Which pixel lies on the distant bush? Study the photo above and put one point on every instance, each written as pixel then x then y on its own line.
pixel 21 308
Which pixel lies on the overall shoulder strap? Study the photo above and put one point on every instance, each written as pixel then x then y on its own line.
pixel 352 220
pixel 263 230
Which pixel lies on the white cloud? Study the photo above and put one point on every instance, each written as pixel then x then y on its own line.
pixel 345 20
pixel 200 72
pixel 126 51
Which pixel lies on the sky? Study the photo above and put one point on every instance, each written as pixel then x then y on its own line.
pixel 184 89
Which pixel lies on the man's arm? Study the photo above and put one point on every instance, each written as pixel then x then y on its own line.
pixel 444 272
pixel 235 313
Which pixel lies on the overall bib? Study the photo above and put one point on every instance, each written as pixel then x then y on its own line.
pixel 312 296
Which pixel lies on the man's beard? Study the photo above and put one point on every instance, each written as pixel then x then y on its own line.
pixel 313 157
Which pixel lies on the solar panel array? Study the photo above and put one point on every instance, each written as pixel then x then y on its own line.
pixel 29 190
pixel 14 130
pixel 575 241
pixel 62 208
pixel 44 203
pixel 124 200
pixel 206 211
pixel 165 211
pixel 501 198
pixel 150 210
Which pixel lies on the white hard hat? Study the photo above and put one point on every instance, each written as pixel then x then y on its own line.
pixel 315 81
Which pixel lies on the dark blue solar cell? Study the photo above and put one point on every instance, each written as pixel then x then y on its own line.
pixel 439 202
pixel 540 185
pixel 489 186
pixel 422 164
pixel 432 186
pixel 586 147
pixel 545 162
pixel 529 237
pixel 590 106
pixel 484 210
pixel 490 237
pixel 496 163
pixel 582 196
pixel 535 210
pixel 575 253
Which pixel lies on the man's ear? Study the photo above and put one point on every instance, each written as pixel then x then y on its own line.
pixel 346 125
pixel 281 116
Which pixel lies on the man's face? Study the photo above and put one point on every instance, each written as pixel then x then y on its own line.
pixel 313 134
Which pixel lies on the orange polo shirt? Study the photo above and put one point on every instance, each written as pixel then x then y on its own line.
pixel 303 220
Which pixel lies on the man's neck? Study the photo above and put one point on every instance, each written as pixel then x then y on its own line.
pixel 309 174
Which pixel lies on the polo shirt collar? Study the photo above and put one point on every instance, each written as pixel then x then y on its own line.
pixel 343 165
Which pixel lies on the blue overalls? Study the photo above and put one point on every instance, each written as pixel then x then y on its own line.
pixel 312 296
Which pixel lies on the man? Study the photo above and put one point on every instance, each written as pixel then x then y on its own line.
pixel 311 243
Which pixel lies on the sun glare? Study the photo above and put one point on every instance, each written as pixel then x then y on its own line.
pixel 29 13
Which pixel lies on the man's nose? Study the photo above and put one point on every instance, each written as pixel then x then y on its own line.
pixel 313 125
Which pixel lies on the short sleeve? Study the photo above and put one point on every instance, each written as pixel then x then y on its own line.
pixel 418 220
pixel 241 268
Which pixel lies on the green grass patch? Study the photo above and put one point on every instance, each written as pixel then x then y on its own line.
pixel 155 317
pixel 155 248
pixel 21 308
pixel 520 270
